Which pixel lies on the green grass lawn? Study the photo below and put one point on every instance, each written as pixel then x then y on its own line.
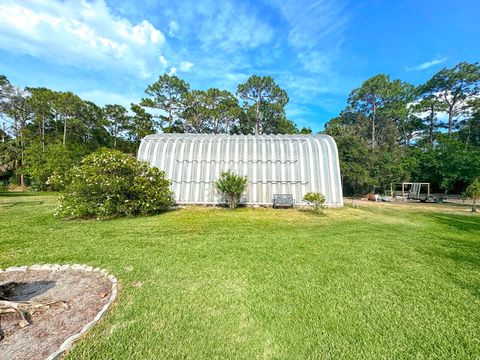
pixel 374 282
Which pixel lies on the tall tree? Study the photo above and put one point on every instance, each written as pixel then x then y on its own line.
pixel 17 111
pixel 93 131
pixel 142 124
pixel 167 94
pixel 262 94
pixel 41 102
pixel 469 125
pixel 379 99
pixel 117 121
pixel 455 87
pixel 67 106
pixel 427 108
pixel 196 114
pixel 222 110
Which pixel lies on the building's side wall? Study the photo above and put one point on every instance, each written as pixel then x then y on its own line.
pixel 273 165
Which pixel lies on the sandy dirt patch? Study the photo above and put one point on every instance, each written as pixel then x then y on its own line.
pixel 79 296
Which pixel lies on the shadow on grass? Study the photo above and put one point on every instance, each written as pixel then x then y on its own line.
pixel 10 204
pixel 117 217
pixel 21 194
pixel 458 222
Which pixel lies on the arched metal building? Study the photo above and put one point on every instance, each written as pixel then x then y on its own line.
pixel 273 164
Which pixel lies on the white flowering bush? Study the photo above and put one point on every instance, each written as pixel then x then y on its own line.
pixel 110 183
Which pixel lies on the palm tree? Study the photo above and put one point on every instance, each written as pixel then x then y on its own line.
pixel 473 192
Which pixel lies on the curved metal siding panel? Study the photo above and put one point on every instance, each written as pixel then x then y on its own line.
pixel 289 164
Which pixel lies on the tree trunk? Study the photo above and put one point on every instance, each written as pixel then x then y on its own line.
pixel 257 122
pixel 374 125
pixel 115 136
pixel 43 132
pixel 450 122
pixel 432 124
pixel 474 206
pixel 64 129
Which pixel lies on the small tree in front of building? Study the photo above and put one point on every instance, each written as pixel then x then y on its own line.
pixel 232 187
pixel 473 192
pixel 316 200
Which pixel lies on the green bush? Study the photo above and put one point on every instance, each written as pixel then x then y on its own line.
pixel 231 186
pixel 315 199
pixel 473 192
pixel 46 167
pixel 110 183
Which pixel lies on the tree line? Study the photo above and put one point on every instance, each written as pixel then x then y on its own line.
pixel 44 132
pixel 390 131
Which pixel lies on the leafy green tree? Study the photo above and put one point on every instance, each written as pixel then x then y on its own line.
pixel 427 108
pixel 142 124
pixel 67 107
pixel 355 155
pixel 455 87
pixel 17 111
pixel 196 114
pixel 456 166
pixel 46 166
pixel 167 94
pixel 222 110
pixel 469 129
pixel 379 99
pixel 232 187
pixel 118 121
pixel 305 130
pixel 473 192
pixel 41 102
pixel 93 131
pixel 265 97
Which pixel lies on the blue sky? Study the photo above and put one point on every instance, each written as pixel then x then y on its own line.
pixel 108 51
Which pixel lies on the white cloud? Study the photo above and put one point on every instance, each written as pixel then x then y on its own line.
pixel 226 25
pixel 172 71
pixel 80 33
pixel 427 64
pixel 163 61
pixel 316 23
pixel 101 97
pixel 185 66
pixel 173 28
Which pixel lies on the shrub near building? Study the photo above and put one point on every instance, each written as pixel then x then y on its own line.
pixel 110 183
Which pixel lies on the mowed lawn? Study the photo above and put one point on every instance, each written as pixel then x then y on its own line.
pixel 385 281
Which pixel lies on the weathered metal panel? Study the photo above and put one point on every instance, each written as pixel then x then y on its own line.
pixel 287 164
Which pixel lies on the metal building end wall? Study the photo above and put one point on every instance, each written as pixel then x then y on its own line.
pixel 273 164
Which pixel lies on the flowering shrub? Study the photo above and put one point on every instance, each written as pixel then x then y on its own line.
pixel 110 183
pixel 315 199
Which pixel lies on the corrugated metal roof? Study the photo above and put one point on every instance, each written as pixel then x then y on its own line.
pixel 273 164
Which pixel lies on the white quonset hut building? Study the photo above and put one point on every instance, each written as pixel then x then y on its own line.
pixel 273 164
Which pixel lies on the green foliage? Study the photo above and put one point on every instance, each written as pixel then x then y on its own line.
pixel 167 94
pixel 117 121
pixel 473 192
pixel 454 88
pixel 315 199
pixel 109 183
pixel 232 187
pixel 264 103
pixel 46 166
